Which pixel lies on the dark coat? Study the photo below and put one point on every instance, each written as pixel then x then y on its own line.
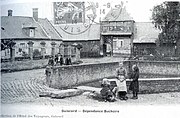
pixel 59 60
pixel 51 62
pixel 106 92
pixel 134 85
pixel 68 61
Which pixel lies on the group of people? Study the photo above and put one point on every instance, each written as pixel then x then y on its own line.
pixel 59 60
pixel 110 93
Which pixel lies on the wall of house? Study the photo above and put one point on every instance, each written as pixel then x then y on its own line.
pixel 121 32
pixel 144 48
pixel 89 48
pixel 48 46
pixel 167 50
pixel 125 48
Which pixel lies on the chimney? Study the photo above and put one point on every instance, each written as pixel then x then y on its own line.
pixel 35 14
pixel 10 12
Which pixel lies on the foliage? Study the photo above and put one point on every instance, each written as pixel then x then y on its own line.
pixel 79 46
pixel 24 54
pixel 165 17
pixel 36 53
pixel 7 44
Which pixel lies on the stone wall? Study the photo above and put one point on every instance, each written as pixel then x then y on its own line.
pixel 169 68
pixel 159 85
pixel 151 85
pixel 23 65
pixel 67 76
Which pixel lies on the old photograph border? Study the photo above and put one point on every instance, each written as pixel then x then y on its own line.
pixel 36 83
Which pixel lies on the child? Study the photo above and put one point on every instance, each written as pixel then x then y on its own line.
pixel 106 91
pixel 134 85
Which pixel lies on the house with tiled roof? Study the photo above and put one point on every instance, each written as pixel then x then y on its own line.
pixel 33 36
pixel 89 38
pixel 117 14
pixel 122 35
pixel 145 39
pixel 117 32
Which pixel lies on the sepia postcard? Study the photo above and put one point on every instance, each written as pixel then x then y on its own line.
pixel 90 59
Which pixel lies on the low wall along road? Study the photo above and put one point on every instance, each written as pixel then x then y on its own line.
pixel 167 68
pixel 68 76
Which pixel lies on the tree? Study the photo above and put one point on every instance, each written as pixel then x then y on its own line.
pixel 8 44
pixel 165 17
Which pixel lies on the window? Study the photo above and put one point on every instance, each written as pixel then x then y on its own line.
pixel 80 15
pixel 69 15
pixel 117 43
pixel 120 43
pixel 32 33
pixel 114 45
pixel 22 45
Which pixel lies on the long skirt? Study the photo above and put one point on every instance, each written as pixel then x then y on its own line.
pixel 134 86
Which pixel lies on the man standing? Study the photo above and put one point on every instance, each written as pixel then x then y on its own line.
pixel 59 60
pixel 51 61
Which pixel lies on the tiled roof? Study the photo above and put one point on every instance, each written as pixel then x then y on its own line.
pixel 145 32
pixel 49 28
pixel 13 28
pixel 93 33
pixel 118 15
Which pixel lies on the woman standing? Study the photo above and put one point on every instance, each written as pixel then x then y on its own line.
pixel 121 82
pixel 134 85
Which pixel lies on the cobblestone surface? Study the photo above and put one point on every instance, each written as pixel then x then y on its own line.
pixel 22 90
pixel 26 92
pixel 24 87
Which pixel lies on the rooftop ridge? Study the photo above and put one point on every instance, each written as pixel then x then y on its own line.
pixel 54 28
pixel 41 28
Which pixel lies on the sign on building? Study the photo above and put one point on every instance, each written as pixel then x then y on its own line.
pixel 117 27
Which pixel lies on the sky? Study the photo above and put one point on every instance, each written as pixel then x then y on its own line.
pixel 140 10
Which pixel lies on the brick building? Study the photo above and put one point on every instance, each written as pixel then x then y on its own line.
pixel 145 39
pixel 89 39
pixel 33 36
pixel 117 33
